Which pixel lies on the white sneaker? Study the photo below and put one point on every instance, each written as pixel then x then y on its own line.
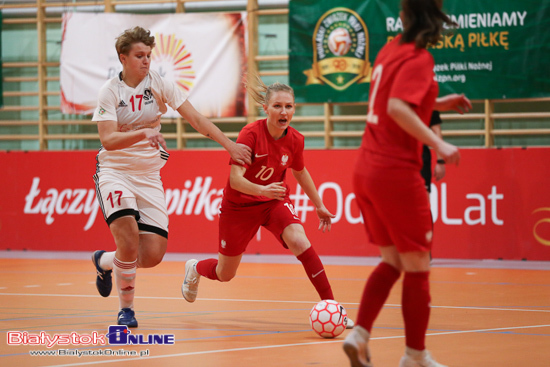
pixel 190 286
pixel 350 324
pixel 418 358
pixel 356 346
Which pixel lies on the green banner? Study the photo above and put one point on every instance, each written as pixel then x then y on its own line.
pixel 500 50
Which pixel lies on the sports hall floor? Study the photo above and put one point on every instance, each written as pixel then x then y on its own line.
pixel 484 313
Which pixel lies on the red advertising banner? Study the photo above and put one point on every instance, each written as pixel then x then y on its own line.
pixel 496 204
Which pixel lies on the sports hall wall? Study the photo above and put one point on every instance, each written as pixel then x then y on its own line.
pixel 496 204
pixel 31 118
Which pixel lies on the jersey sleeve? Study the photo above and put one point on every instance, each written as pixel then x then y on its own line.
pixel 246 137
pixel 298 161
pixel 413 79
pixel 172 94
pixel 106 105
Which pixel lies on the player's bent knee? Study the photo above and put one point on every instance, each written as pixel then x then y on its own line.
pixel 150 261
pixel 298 247
pixel 127 244
pixel 226 277
pixel 127 250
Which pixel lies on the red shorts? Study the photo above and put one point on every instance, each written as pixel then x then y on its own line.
pixel 395 208
pixel 239 224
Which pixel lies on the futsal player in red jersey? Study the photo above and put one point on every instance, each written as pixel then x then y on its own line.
pixel 387 182
pixel 257 195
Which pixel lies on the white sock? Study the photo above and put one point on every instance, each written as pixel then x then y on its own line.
pixel 125 279
pixel 106 260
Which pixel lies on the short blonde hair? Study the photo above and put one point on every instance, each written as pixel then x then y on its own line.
pixel 130 36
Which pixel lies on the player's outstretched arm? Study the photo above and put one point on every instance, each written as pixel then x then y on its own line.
pixel 453 102
pixel 306 182
pixel 403 114
pixel 240 153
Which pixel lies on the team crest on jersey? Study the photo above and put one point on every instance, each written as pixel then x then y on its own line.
pixel 147 94
pixel 101 111
pixel 284 159
pixel 122 104
pixel 340 52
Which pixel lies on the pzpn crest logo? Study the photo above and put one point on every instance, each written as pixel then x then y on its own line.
pixel 340 50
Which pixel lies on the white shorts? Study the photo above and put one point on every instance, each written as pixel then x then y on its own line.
pixel 141 196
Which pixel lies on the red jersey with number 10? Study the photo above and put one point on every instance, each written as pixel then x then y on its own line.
pixel 405 72
pixel 270 159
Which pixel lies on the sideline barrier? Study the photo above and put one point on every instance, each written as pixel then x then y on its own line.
pixel 496 204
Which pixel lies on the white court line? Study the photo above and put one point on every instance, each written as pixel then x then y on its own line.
pixel 272 301
pixel 290 345
pixel 479 308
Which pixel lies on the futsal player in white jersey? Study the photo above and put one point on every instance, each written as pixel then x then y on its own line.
pixel 133 151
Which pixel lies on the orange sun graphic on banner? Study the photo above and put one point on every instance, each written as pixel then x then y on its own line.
pixel 173 60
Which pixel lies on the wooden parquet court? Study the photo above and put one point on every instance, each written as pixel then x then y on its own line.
pixel 481 315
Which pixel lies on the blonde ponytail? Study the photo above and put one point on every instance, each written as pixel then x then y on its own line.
pixel 262 93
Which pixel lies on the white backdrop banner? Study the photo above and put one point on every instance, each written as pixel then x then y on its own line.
pixel 205 54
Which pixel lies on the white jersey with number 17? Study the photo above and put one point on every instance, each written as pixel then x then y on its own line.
pixel 134 109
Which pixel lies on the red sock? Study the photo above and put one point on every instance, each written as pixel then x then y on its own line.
pixel 316 273
pixel 416 308
pixel 376 293
pixel 207 268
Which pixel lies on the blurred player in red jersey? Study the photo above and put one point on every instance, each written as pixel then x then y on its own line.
pixel 257 195
pixel 387 182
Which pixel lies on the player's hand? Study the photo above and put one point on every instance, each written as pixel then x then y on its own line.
pixel 457 102
pixel 439 171
pixel 275 190
pixel 325 218
pixel 241 153
pixel 155 138
pixel 448 152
